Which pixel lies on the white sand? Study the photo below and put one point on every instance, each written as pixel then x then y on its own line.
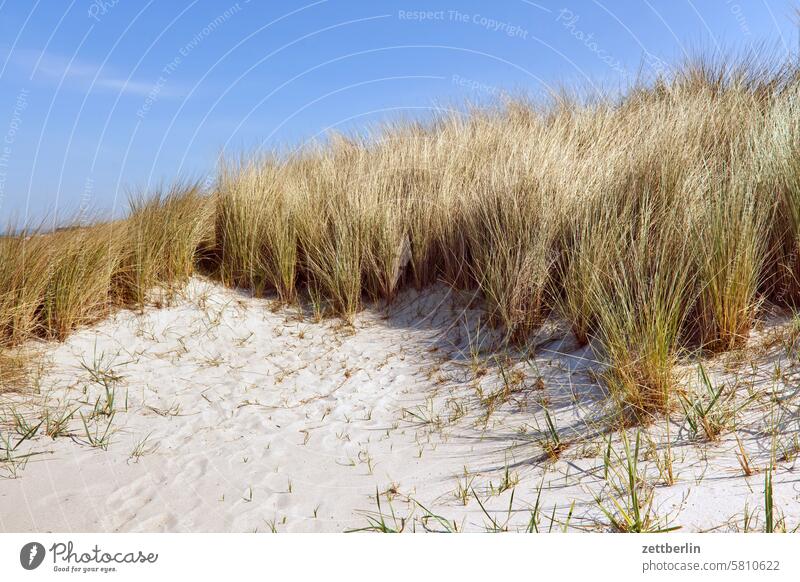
pixel 250 418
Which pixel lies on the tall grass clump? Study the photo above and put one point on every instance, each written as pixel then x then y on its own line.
pixel 361 195
pixel 777 158
pixel 731 236
pixel 733 213
pixel 512 238
pixel 640 304
pixel 587 248
pixel 26 260
pixel 78 283
pixel 50 284
pixel 256 229
pixel 161 241
pixel 21 258
pixel 330 228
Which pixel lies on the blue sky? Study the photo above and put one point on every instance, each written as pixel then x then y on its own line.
pixel 99 98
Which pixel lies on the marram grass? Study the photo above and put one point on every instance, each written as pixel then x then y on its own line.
pixel 653 223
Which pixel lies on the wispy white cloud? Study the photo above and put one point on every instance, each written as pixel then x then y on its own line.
pixel 132 87
pixel 80 74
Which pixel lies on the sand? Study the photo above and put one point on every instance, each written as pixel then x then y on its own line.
pixel 234 414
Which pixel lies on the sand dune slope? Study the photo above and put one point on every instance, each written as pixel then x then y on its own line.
pixel 225 413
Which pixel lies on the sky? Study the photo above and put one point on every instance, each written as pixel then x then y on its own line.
pixel 103 99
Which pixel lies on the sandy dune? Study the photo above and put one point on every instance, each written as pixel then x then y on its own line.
pixel 230 414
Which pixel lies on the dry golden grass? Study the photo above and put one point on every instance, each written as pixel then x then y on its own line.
pixel 256 229
pixel 52 283
pixel 160 242
pixel 653 223
pixel 25 264
pixel 78 285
